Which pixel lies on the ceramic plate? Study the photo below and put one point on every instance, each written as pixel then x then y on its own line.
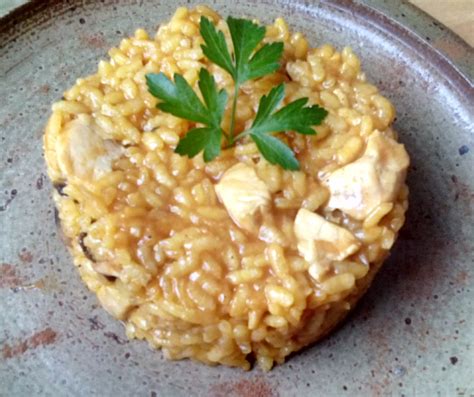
pixel 412 333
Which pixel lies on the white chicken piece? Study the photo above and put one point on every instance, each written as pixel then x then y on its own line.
pixel 82 152
pixel 116 302
pixel 373 179
pixel 243 193
pixel 321 241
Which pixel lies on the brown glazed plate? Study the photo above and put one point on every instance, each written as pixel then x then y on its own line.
pixel 411 335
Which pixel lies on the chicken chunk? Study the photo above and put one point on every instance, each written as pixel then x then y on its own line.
pixel 116 302
pixel 243 193
pixel 320 242
pixel 81 152
pixel 375 178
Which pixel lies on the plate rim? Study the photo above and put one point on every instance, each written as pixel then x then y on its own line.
pixel 401 20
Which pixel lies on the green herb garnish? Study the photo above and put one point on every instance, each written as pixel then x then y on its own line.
pixel 180 100
pixel 246 63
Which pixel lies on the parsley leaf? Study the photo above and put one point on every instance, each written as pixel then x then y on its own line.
pixel 246 36
pixel 268 103
pixel 215 47
pixel 180 100
pixel 292 117
pixel 215 100
pixel 198 139
pixel 265 61
pixel 275 151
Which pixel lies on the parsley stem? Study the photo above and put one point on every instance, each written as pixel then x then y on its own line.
pixel 242 134
pixel 232 118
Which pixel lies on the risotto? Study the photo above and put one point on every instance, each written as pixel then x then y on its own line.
pixel 234 260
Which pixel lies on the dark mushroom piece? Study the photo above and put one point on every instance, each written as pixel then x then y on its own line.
pixel 85 249
pixel 59 186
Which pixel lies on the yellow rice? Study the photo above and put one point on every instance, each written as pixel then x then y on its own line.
pixel 178 271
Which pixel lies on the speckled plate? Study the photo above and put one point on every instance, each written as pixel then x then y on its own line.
pixel 411 335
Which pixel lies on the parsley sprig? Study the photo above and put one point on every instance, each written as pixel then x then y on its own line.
pixel 180 100
pixel 246 63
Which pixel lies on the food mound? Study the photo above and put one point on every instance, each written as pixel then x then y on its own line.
pixel 233 258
